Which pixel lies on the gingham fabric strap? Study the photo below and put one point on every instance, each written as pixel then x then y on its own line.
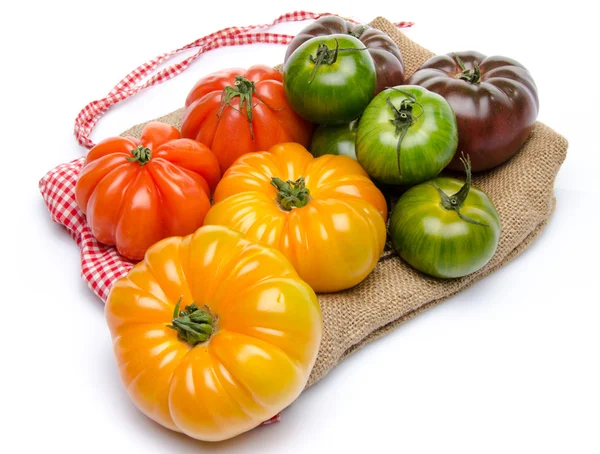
pixel 132 83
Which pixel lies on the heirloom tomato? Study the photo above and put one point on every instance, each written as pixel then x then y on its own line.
pixel 445 228
pixel 330 80
pixel 237 111
pixel 213 333
pixel 495 101
pixel 383 50
pixel 135 192
pixel 406 135
pixel 335 139
pixel 324 214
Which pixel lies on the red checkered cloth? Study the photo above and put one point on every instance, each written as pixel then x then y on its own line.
pixel 102 265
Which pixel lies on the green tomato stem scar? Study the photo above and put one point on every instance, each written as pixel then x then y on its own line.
pixel 193 325
pixel 326 56
pixel 472 76
pixel 291 194
pixel 245 89
pixel 141 154
pixel 454 202
pixel 403 119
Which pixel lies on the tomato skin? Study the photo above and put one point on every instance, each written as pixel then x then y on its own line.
pixel 495 115
pixel 336 93
pixel 267 333
pixel 335 139
pixel 437 241
pixel 428 146
pixel 387 57
pixel 226 130
pixel 345 214
pixel 132 205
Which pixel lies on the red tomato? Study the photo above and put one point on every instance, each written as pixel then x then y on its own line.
pixel 137 192
pixel 237 111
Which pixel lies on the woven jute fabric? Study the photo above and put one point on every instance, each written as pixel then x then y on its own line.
pixel 523 192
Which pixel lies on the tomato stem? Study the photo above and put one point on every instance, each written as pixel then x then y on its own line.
pixel 327 56
pixel 291 194
pixel 141 154
pixel 455 202
pixel 193 325
pixel 403 119
pixel 358 31
pixel 244 89
pixel 470 75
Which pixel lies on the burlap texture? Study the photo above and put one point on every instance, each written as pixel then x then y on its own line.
pixel 523 192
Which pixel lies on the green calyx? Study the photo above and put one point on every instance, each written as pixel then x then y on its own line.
pixel 327 56
pixel 193 324
pixel 403 119
pixel 472 76
pixel 291 194
pixel 455 202
pixel 358 31
pixel 244 89
pixel 140 154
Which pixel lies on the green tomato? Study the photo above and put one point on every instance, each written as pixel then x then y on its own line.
pixel 445 228
pixel 330 79
pixel 335 139
pixel 406 135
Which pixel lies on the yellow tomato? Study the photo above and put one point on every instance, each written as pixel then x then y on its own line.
pixel 324 214
pixel 213 333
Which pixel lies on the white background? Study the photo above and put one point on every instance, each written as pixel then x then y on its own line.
pixel 509 365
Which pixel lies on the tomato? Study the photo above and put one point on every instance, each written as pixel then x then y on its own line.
pixel 384 51
pixel 335 139
pixel 406 135
pixel 330 80
pixel 495 101
pixel 445 228
pixel 136 192
pixel 213 334
pixel 237 111
pixel 324 214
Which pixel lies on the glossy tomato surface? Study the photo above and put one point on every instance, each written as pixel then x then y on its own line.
pixel 495 101
pixel 330 80
pixel 406 135
pixel 386 56
pixel 238 111
pixel 135 192
pixel 254 336
pixel 331 226
pixel 335 139
pixel 439 241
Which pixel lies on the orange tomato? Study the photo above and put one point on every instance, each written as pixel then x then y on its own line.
pixel 324 214
pixel 136 192
pixel 238 111
pixel 213 333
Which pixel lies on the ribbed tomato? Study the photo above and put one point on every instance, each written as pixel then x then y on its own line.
pixel 324 214
pixel 213 333
pixel 237 111
pixel 495 101
pixel 135 192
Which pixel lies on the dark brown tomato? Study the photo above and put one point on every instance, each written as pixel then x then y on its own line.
pixel 386 55
pixel 495 101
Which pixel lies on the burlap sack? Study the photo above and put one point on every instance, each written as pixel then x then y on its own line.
pixel 523 193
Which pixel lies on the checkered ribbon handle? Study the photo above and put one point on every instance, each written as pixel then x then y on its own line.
pixel 132 83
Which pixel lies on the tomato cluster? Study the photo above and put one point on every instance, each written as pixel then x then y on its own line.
pixel 237 224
